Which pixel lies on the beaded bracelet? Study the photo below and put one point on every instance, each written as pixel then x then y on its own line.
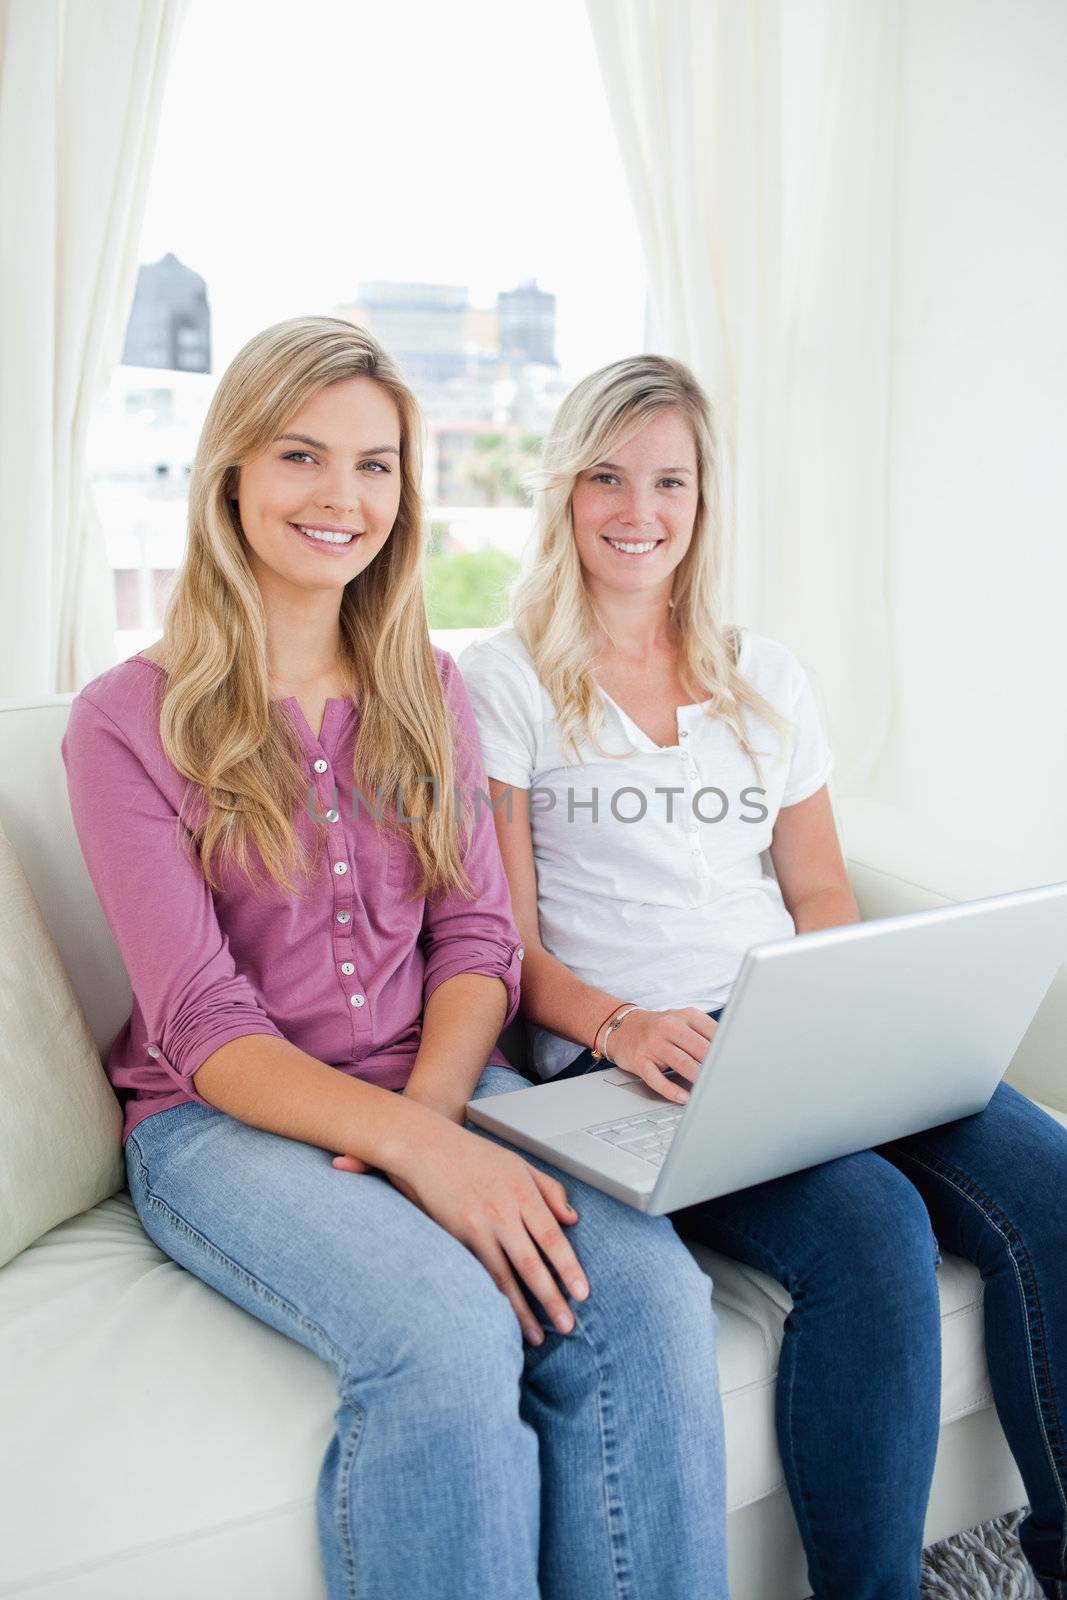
pixel 620 1016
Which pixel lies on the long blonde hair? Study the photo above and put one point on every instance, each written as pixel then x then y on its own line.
pixel 218 724
pixel 550 605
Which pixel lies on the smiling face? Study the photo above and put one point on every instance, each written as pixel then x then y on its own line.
pixel 633 515
pixel 334 471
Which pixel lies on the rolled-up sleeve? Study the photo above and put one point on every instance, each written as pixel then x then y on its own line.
pixel 160 910
pixel 479 935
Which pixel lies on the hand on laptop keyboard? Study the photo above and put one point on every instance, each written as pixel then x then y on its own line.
pixel 663 1048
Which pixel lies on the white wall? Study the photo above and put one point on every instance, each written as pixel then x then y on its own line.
pixel 978 458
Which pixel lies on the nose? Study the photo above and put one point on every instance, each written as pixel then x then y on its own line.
pixel 637 511
pixel 340 493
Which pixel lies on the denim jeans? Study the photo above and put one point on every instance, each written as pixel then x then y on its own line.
pixel 466 1463
pixel 856 1242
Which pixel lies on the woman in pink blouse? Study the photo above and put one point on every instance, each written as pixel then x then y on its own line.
pixel 281 808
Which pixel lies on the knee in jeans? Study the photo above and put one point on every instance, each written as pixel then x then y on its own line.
pixel 890 1233
pixel 662 1295
pixel 465 1343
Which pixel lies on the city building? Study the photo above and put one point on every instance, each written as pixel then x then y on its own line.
pixel 170 322
pixel 486 377
pixel 527 319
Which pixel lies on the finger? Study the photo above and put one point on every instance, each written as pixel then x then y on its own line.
pixel 691 1039
pixel 550 1238
pixel 496 1264
pixel 670 1091
pixel 555 1194
pixel 534 1274
pixel 349 1164
pixel 700 1023
pixel 675 1059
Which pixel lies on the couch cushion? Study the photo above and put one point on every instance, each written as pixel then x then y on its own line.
pixel 60 1124
pixel 231 1443
pixel 180 1438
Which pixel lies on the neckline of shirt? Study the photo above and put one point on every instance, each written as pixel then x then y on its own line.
pixel 304 726
pixel 650 744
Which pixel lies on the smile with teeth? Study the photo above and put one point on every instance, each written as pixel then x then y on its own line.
pixel 629 548
pixel 323 535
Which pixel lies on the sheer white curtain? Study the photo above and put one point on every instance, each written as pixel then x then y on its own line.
pixel 759 138
pixel 81 85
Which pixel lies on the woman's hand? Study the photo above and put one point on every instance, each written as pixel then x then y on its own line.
pixel 649 1043
pixel 504 1210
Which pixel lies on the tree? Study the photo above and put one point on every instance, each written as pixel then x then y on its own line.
pixel 469 590
pixel 496 462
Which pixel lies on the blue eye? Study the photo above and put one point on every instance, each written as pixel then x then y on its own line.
pixel 601 477
pixel 379 464
pixel 676 483
pixel 291 455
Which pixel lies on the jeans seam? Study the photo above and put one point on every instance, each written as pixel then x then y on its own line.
pixel 261 1289
pixel 614 1508
pixel 347 1455
pixel 996 1218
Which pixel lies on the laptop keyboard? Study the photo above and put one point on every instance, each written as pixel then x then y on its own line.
pixel 647 1135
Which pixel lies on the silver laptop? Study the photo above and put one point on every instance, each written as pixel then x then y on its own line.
pixel 831 1042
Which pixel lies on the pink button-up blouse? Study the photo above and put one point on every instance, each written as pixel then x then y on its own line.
pixel 343 975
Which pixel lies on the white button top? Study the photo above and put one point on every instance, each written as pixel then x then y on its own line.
pixel 359 999
pixel 692 827
pixel 321 766
pixel 344 916
pixel 347 967
pixel 684 734
pixel 340 867
pixel 333 815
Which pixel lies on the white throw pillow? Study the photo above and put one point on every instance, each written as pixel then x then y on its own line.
pixel 60 1123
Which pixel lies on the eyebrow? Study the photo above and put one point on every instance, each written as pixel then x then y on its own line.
pixel 317 444
pixel 610 465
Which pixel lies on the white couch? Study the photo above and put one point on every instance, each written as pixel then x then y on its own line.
pixel 158 1441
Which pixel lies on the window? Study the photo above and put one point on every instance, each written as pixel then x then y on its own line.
pixel 467 204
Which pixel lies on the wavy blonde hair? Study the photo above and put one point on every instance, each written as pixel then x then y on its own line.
pixel 550 605
pixel 218 724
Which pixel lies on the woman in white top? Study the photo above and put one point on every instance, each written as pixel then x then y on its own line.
pixel 641 757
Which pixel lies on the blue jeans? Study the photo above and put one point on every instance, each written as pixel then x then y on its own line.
pixel 856 1243
pixel 466 1463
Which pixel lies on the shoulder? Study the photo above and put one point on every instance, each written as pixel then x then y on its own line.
pixel 444 662
pixel 112 729
pixel 769 665
pixel 127 694
pixel 501 654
